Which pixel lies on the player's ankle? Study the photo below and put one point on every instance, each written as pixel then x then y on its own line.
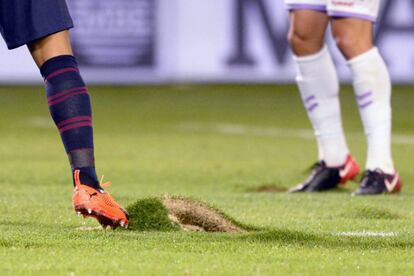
pixel 88 177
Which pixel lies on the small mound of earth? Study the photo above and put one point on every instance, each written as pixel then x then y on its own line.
pixel 268 188
pixel 175 213
pixel 197 216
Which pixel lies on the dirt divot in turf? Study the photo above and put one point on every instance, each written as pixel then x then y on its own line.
pixel 197 216
pixel 176 213
pixel 267 188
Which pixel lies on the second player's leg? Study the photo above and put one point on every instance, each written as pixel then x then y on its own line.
pixel 307 31
pixel 353 36
pixel 319 88
pixel 372 87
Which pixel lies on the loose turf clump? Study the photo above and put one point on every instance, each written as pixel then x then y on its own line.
pixel 149 214
pixel 173 213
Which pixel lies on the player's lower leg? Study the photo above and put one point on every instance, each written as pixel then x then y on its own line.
pixel 319 88
pixel 372 86
pixel 70 107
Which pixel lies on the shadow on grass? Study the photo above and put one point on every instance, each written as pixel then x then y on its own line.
pixel 312 240
pixel 267 188
pixel 152 216
pixel 20 243
pixel 370 212
pixel 277 189
pixel 279 237
pixel 339 190
pixel 17 226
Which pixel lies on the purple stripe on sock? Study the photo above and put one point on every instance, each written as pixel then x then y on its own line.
pixel 312 107
pixel 69 95
pixel 364 105
pixel 352 15
pixel 73 126
pixel 310 98
pixel 61 71
pixel 364 95
pixel 74 123
pixel 74 120
pixel 321 8
pixel 60 94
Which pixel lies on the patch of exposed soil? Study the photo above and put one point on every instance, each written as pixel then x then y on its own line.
pixel 192 215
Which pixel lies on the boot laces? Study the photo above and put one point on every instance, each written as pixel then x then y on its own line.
pixel 372 177
pixel 104 184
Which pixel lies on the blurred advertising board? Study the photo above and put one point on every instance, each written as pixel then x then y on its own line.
pixel 164 41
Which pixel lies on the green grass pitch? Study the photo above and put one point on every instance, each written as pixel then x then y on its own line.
pixel 214 143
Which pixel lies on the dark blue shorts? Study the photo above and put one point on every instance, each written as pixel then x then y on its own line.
pixel 23 21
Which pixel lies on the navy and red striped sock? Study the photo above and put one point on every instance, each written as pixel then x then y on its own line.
pixel 70 107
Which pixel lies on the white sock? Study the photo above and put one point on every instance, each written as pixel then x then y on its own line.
pixel 372 87
pixel 319 87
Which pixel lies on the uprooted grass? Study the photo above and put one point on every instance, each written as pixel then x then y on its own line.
pixel 175 213
pixel 150 214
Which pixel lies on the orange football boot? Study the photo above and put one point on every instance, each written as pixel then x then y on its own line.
pixel 98 204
